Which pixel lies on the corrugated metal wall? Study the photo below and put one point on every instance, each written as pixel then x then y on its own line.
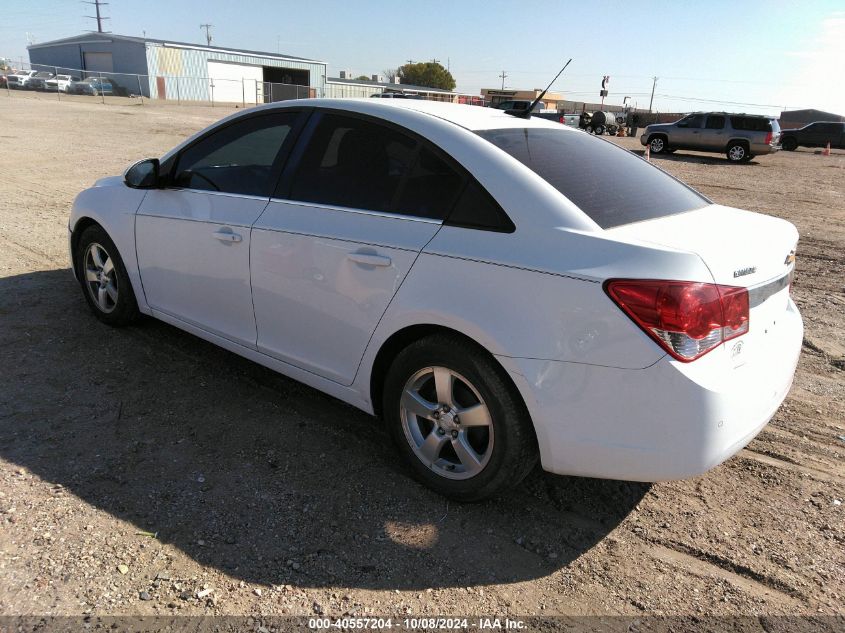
pixel 341 90
pixel 167 63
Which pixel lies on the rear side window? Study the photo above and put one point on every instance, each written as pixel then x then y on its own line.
pixel 715 122
pixel 350 162
pixel 751 124
pixel 476 209
pixel 430 189
pixel 611 185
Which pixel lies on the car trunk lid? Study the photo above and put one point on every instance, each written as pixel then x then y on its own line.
pixel 740 248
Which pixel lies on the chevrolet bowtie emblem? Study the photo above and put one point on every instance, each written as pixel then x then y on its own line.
pixel 790 258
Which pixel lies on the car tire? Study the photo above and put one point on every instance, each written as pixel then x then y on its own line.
pixel 464 462
pixel 599 130
pixel 657 144
pixel 102 275
pixel 737 152
pixel 790 144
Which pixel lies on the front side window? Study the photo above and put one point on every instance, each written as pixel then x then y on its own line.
pixel 241 158
pixel 611 185
pixel 354 163
pixel 694 121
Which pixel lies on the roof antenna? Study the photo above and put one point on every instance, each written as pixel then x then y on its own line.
pixel 526 114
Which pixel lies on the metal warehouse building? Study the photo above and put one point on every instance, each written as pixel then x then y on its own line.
pixel 162 69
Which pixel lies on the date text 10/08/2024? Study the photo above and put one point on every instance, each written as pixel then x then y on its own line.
pixel 421 623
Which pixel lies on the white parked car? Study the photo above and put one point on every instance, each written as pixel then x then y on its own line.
pixel 60 83
pixel 466 275
pixel 21 78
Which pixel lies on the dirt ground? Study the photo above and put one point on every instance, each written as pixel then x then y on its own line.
pixel 141 468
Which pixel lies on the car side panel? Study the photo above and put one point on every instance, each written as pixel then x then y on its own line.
pixel 322 278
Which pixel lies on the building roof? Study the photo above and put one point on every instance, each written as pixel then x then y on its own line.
pixel 810 113
pixel 172 43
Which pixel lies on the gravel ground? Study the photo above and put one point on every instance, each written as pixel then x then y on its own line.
pixel 146 472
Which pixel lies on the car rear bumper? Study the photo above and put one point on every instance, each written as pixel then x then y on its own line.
pixel 669 421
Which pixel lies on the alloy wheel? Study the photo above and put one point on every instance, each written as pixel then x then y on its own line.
pixel 446 423
pixel 101 278
pixel 657 145
pixel 736 153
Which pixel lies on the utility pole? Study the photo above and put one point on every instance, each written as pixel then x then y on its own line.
pixel 654 83
pixel 99 17
pixel 207 28
pixel 503 76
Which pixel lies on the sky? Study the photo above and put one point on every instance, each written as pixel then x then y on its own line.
pixel 737 55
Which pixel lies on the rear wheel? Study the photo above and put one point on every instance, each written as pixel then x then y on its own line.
pixel 105 283
pixel 599 130
pixel 789 144
pixel 738 152
pixel 457 420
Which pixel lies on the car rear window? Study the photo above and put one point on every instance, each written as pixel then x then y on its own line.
pixel 611 185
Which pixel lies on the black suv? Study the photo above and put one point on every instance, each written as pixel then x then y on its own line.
pixel 817 134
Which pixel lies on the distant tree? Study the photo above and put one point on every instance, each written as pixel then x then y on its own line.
pixel 428 74
pixel 390 73
pixel 363 77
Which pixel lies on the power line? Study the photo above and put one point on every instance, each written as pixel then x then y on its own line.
pixel 97 4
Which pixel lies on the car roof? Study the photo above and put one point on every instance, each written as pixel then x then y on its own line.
pixel 470 117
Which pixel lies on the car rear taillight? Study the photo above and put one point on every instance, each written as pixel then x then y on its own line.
pixel 687 319
pixel 768 138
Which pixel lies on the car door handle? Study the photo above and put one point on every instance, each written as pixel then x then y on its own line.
pixel 370 259
pixel 227 236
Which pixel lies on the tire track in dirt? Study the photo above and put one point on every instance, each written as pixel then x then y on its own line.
pixel 714 566
pixel 782 463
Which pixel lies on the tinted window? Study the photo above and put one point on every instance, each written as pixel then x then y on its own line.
pixel 354 163
pixel 715 122
pixel 476 209
pixel 240 158
pixel 611 185
pixel 430 188
pixel 694 121
pixel 751 123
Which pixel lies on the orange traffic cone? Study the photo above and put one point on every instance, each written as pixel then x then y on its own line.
pixel 647 154
pixel 826 150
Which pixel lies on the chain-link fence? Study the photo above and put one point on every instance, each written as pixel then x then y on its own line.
pixel 108 87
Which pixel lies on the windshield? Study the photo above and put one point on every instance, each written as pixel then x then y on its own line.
pixel 611 185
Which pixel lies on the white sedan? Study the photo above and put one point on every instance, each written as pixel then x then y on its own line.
pixel 499 290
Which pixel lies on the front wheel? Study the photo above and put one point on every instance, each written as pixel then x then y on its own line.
pixel 457 420
pixel 105 283
pixel 789 144
pixel 657 145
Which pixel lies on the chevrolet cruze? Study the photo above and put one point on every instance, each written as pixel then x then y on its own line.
pixel 473 278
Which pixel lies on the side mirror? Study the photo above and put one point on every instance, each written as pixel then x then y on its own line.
pixel 143 174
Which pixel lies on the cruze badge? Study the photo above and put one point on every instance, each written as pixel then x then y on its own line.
pixel 745 271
